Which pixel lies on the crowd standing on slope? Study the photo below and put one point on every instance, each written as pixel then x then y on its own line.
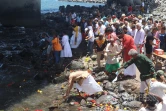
pixel 128 37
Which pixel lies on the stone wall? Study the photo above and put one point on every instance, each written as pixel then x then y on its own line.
pixel 20 12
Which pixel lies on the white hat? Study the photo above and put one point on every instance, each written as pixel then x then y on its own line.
pixel 123 15
pixel 96 19
pixel 86 29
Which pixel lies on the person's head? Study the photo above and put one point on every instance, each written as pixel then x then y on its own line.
pixel 159 26
pixel 64 32
pixel 138 26
pixel 160 75
pixel 54 34
pixel 100 23
pixel 154 30
pixel 104 19
pixel 96 20
pixel 133 27
pixel 133 53
pixel 126 23
pixel 123 15
pixel 139 17
pixel 143 22
pixel 87 30
pixel 43 35
pixel 108 30
pixel 120 33
pixel 112 41
pixel 151 100
pixel 150 20
pixel 101 36
pixel 125 29
pixel 113 16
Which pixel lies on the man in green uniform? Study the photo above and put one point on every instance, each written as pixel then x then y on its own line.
pixel 144 65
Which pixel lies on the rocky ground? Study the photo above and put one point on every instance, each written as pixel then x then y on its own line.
pixel 159 13
pixel 28 83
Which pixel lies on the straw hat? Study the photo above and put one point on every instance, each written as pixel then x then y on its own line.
pixel 139 16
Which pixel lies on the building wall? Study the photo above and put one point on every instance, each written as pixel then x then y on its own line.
pixel 20 12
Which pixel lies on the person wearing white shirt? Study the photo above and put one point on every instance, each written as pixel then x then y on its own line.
pixel 90 37
pixel 73 16
pixel 78 19
pixel 143 4
pixel 101 27
pixel 133 31
pixel 139 38
pixel 157 88
pixel 126 23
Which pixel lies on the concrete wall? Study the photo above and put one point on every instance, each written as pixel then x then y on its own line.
pixel 20 12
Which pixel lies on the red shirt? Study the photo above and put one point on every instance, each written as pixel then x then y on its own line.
pixel 128 43
pixel 130 9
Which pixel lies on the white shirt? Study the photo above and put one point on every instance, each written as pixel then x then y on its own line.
pixel 158 88
pixel 73 16
pixel 133 32
pixel 147 28
pixel 129 29
pixel 78 19
pixel 143 4
pixel 91 34
pixel 102 29
pixel 110 56
pixel 139 37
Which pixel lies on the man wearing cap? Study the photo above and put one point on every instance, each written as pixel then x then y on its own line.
pixel 128 43
pixel 90 38
pixel 162 75
pixel 100 45
pixel 158 88
pixel 84 82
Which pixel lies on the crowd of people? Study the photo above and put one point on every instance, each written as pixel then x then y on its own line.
pixel 132 38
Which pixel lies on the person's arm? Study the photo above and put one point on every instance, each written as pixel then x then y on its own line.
pixel 128 63
pixel 158 98
pixel 162 85
pixel 120 52
pixel 151 42
pixel 71 82
pixel 106 49
pixel 90 35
